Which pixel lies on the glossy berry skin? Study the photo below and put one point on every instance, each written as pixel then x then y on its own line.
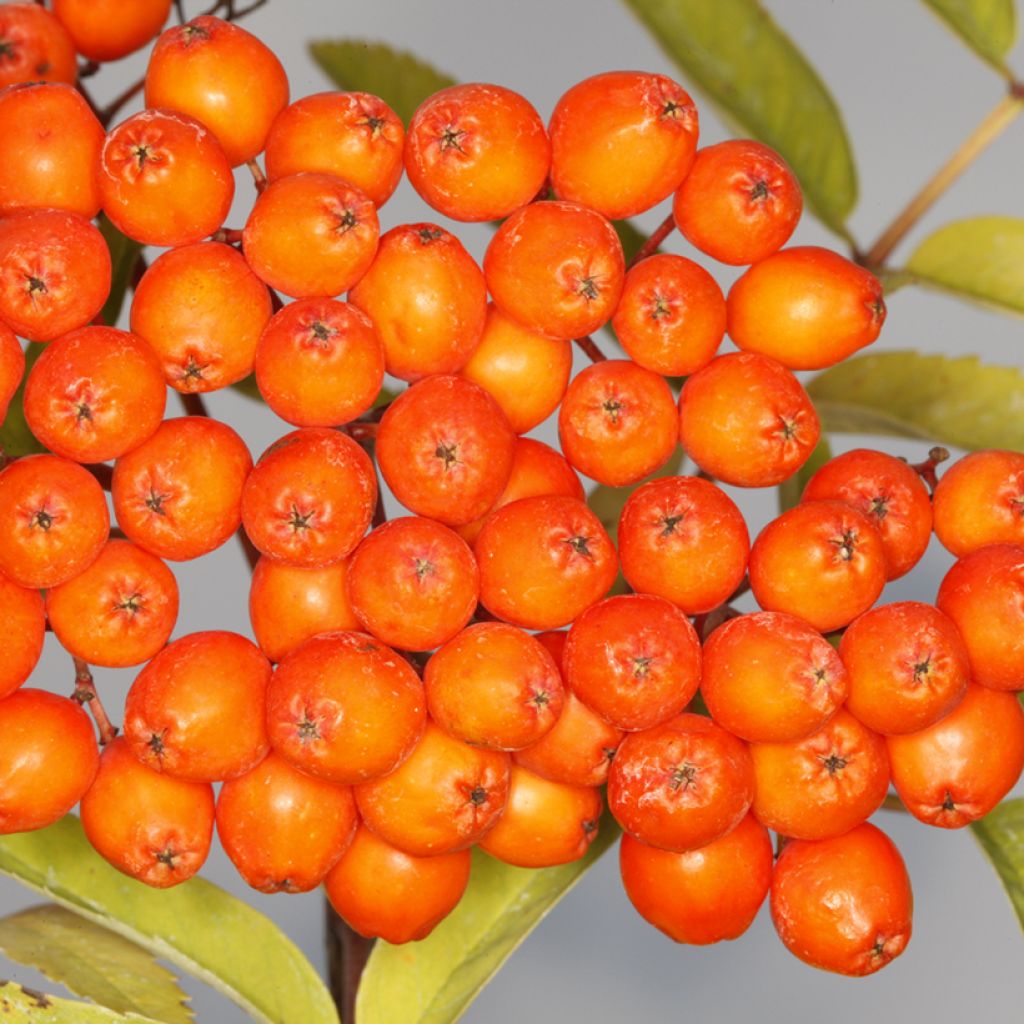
pixel 983 593
pixel 556 268
pixel 955 771
pixel 633 659
pixel 12 368
pixel 445 449
pixel 283 829
pixel 888 491
pixel 908 666
pixel 47 761
pixel 444 798
pixel 843 904
pixel 384 893
pixel 494 686
pixel 413 583
pixel 53 518
pixel 105 30
pixel 544 823
pixel 176 722
pixel 739 203
pixel 22 630
pixel 206 69
pixel 95 394
pixel 149 825
pixel 52 144
pixel 822 785
pixel 36 46
pixel 54 272
pixel 979 500
pixel 822 561
pixel 617 422
pixel 476 152
pixel 179 494
pixel 684 539
pixel 771 677
pixel 426 296
pixel 622 141
pixel 671 317
pixel 345 708
pixel 352 135
pixel 119 611
pixel 202 310
pixel 682 784
pixel 806 307
pixel 746 420
pixel 703 896
pixel 543 561
pixel 310 497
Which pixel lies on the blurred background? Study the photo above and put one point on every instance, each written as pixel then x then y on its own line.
pixel 909 92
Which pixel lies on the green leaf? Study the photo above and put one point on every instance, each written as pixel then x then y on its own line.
pixel 196 925
pixel 400 79
pixel 791 489
pixel 15 437
pixel 632 239
pixel 981 259
pixel 742 61
pixel 1001 835
pixel 247 386
pixel 954 400
pixel 433 981
pixel 93 962
pixel 26 1006
pixel 989 27
pixel 124 251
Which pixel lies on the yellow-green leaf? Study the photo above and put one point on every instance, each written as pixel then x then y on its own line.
pixel 953 400
pixel 124 251
pixel 791 489
pixel 93 962
pixel 981 259
pixel 197 926
pixel 989 27
pixel 26 1006
pixel 1001 835
pixel 15 437
pixel 433 981
pixel 400 79
pixel 750 69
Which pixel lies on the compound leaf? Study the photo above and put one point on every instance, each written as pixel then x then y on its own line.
pixel 15 437
pixel 791 489
pixel 124 251
pixel 1001 835
pixel 989 27
pixel 26 1006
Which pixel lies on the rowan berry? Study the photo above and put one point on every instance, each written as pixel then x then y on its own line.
pixel 105 30
pixel 34 46
pixel 22 630
pixel 12 368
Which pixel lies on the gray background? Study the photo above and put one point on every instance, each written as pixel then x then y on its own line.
pixel 910 92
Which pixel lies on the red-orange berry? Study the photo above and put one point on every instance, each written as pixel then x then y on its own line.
pixel 105 30
pixel 12 368
pixel 34 46
pixel 22 630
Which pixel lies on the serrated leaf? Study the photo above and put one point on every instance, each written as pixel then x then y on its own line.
pixel 989 27
pixel 1001 835
pixel 196 925
pixel 751 70
pixel 981 259
pixel 791 489
pixel 26 1006
pixel 124 251
pixel 15 437
pixel 400 79
pixel 94 962
pixel 433 981
pixel 954 400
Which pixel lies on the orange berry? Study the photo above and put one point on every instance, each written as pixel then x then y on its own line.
pixel 106 30
pixel 384 893
pixel 807 307
pixel 53 518
pixel 207 69
pixel 556 268
pixel 739 203
pixel 120 611
pixel 476 152
pixel 12 368
pixel 352 135
pixel 843 904
pixel 283 829
pixel 202 310
pixel 671 317
pixel 426 296
pixel 151 826
pixel 179 494
pixel 22 630
pixel 310 497
pixel 54 272
pixel 746 420
pixel 345 708
pixel 35 47
pixel 622 141
pixel 47 761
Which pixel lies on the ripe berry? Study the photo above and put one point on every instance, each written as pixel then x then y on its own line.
pixel 22 630
pixel 105 30
pixel 34 46
pixel 12 368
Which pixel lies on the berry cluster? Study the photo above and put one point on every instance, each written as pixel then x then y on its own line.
pixel 413 690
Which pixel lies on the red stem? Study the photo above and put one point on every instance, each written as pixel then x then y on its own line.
pixel 85 693
pixel 650 247
pixel 589 346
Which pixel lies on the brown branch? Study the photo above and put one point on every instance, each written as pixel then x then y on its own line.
pixel 259 179
pixel 347 953
pixel 650 247
pixel 594 354
pixel 103 474
pixel 85 693
pixel 110 111
pixel 193 403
